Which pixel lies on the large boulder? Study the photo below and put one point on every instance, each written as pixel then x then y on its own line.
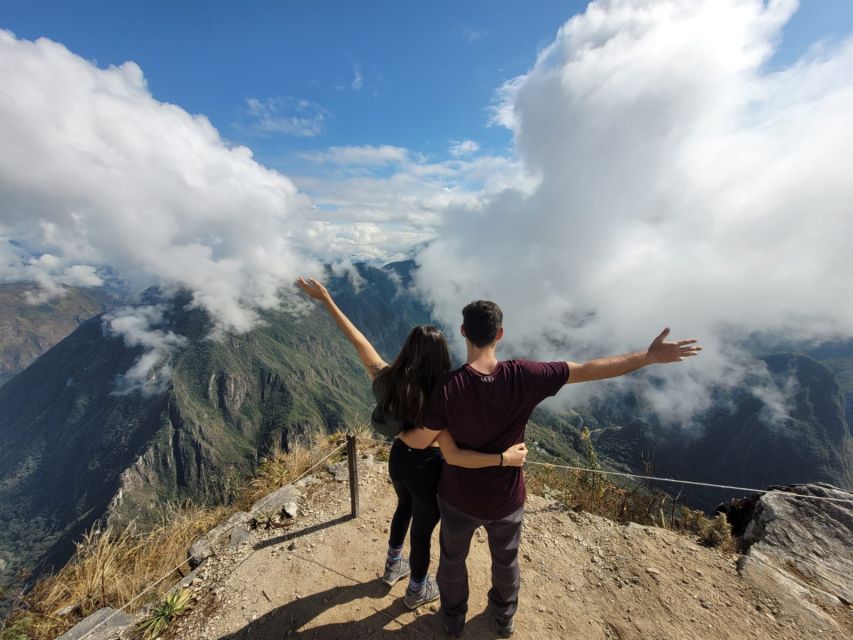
pixel 802 547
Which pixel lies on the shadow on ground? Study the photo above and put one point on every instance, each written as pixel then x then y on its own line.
pixel 370 619
pixel 301 532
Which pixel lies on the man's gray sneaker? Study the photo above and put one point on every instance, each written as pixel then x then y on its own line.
pixel 428 593
pixel 394 571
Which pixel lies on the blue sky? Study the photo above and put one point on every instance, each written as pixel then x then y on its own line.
pixel 417 75
pixel 428 69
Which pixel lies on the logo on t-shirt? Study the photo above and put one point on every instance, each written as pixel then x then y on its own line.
pixel 487 378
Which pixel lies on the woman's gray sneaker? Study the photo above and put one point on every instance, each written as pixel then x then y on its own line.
pixel 428 593
pixel 394 571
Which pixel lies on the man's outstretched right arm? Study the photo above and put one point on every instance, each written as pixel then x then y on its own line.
pixel 659 352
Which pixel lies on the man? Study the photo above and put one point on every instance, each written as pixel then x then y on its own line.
pixel 485 405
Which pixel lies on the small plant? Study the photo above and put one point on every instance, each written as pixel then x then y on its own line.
pixel 550 493
pixel 717 533
pixel 264 520
pixel 163 614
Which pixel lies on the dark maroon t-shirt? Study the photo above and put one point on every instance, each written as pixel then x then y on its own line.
pixel 489 413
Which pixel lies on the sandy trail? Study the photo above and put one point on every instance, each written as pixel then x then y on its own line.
pixel 583 577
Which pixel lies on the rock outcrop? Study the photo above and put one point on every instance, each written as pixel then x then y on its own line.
pixel 104 624
pixel 803 547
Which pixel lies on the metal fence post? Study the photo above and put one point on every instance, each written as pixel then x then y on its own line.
pixel 352 457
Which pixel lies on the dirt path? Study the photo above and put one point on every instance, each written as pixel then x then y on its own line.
pixel 583 577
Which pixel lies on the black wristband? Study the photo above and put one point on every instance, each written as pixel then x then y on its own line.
pixel 502 459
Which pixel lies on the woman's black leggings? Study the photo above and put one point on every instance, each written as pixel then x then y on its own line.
pixel 414 474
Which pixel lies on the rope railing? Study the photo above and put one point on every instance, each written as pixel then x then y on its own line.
pixel 689 482
pixel 671 480
pixel 152 585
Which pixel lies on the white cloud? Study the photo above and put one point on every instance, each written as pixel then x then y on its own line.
pixel 96 173
pixel 140 326
pixel 363 155
pixel 682 182
pixel 473 35
pixel 459 148
pixel 286 115
pixel 378 203
pixel 357 78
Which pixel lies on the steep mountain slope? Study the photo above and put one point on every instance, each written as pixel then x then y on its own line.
pixel 28 330
pixel 73 449
pixel 838 356
pixel 741 442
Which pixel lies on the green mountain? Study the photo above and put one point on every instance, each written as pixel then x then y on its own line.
pixel 75 450
pixel 838 357
pixel 741 442
pixel 381 304
pixel 28 330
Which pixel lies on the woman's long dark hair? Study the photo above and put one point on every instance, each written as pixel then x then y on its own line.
pixel 409 381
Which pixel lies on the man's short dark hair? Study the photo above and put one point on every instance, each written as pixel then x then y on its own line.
pixel 482 319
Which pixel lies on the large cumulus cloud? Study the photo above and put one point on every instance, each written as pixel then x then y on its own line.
pixel 96 172
pixel 683 181
pixel 99 179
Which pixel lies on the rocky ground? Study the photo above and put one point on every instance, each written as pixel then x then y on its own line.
pixel 583 577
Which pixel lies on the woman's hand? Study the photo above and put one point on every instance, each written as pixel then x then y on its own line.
pixel 313 288
pixel 515 455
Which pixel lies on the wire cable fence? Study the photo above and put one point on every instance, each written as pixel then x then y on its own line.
pixel 374 441
pixel 695 483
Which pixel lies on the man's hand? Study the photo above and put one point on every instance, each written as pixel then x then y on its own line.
pixel 660 351
pixel 313 288
pixel 515 455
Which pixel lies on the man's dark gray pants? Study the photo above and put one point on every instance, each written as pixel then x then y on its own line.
pixel 457 529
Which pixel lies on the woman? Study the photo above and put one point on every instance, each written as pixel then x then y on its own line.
pixel 402 390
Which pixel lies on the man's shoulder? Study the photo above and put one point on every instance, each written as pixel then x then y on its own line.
pixel 449 376
pixel 537 368
pixel 523 364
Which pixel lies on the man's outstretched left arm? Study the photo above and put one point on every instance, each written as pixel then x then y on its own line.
pixel 659 352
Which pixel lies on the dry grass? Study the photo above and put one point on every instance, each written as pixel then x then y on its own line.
pixel 111 567
pixel 280 467
pixel 593 493
pixel 711 532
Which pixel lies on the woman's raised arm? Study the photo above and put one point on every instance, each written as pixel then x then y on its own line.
pixel 368 355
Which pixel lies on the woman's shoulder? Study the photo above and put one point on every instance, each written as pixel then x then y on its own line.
pixel 380 380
